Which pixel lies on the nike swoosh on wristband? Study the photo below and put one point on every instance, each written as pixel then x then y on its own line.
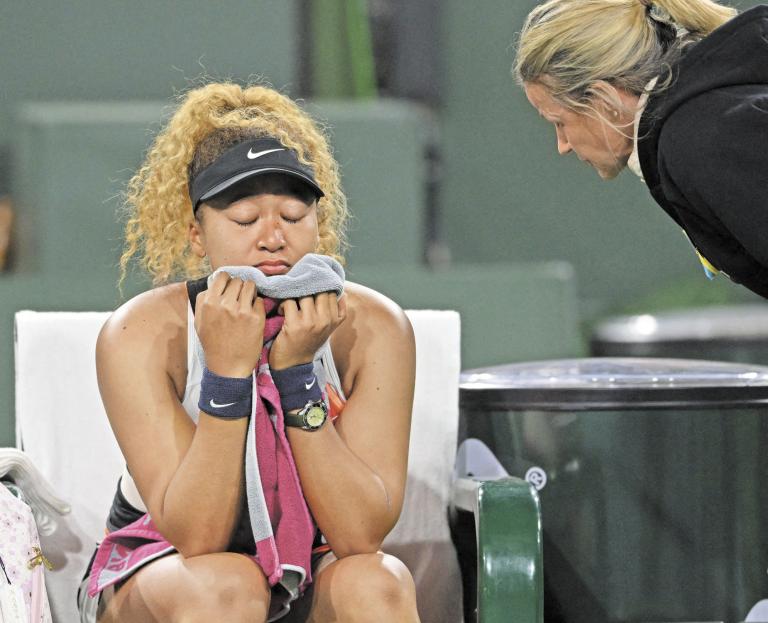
pixel 308 386
pixel 252 156
pixel 218 406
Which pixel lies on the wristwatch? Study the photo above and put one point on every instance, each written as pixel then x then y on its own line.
pixel 311 417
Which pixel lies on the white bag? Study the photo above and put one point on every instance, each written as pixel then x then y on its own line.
pixel 23 598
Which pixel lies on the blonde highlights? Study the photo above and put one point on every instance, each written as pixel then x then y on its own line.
pixel 571 45
pixel 157 203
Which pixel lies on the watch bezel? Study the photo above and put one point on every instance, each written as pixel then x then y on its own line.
pixel 301 417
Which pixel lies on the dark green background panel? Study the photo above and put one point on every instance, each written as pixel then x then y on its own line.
pixel 509 312
pixel 109 49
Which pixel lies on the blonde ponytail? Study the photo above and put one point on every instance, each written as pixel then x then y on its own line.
pixel 699 17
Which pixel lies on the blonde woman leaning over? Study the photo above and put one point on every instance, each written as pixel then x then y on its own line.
pixel 274 373
pixel 678 91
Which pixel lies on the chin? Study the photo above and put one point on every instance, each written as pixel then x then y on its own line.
pixel 609 174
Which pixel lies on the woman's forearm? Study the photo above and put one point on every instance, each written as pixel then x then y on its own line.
pixel 349 501
pixel 202 502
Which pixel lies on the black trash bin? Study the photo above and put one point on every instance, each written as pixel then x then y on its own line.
pixel 719 333
pixel 652 476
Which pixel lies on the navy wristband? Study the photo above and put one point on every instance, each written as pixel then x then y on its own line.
pixel 297 386
pixel 224 396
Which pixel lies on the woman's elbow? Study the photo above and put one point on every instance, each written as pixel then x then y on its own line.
pixel 356 544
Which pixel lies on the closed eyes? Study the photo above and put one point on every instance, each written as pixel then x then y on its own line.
pixel 290 221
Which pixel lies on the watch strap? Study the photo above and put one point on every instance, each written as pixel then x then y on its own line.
pixel 295 420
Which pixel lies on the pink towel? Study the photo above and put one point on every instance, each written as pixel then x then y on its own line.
pixel 285 536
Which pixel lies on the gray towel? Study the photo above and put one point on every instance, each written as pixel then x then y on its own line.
pixel 312 274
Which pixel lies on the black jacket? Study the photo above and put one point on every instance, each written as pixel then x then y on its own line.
pixel 703 147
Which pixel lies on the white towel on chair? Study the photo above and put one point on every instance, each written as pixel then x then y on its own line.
pixel 421 539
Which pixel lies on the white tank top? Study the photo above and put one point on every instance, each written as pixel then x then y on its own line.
pixel 325 370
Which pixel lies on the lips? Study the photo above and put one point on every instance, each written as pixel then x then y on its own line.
pixel 273 267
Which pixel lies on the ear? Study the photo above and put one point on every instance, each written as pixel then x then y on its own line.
pixel 197 238
pixel 604 97
pixel 613 102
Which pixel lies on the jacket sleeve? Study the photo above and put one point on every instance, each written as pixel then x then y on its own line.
pixel 715 152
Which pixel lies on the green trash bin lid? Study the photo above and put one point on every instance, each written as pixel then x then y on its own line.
pixel 730 323
pixel 608 383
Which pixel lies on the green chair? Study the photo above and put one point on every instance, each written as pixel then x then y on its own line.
pixel 496 526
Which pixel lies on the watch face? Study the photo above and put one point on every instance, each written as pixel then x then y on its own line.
pixel 315 416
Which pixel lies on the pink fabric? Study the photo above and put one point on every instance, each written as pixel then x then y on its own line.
pixel 124 551
pixel 19 542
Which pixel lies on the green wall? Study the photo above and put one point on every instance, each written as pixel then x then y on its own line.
pixel 506 194
pixel 509 312
pixel 142 49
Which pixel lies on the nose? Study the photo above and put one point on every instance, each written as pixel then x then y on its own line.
pixel 270 235
pixel 563 146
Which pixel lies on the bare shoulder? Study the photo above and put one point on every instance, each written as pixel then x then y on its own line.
pixel 371 311
pixel 375 326
pixel 147 315
pixel 151 326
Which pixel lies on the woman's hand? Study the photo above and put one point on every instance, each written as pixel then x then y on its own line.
pixel 229 319
pixel 309 322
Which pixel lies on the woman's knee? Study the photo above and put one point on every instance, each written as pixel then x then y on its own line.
pixel 228 589
pixel 374 582
pixel 391 581
pixel 204 588
pixel 233 592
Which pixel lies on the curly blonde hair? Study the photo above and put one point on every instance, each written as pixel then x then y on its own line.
pixel 207 121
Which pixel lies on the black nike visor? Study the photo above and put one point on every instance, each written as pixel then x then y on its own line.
pixel 245 161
